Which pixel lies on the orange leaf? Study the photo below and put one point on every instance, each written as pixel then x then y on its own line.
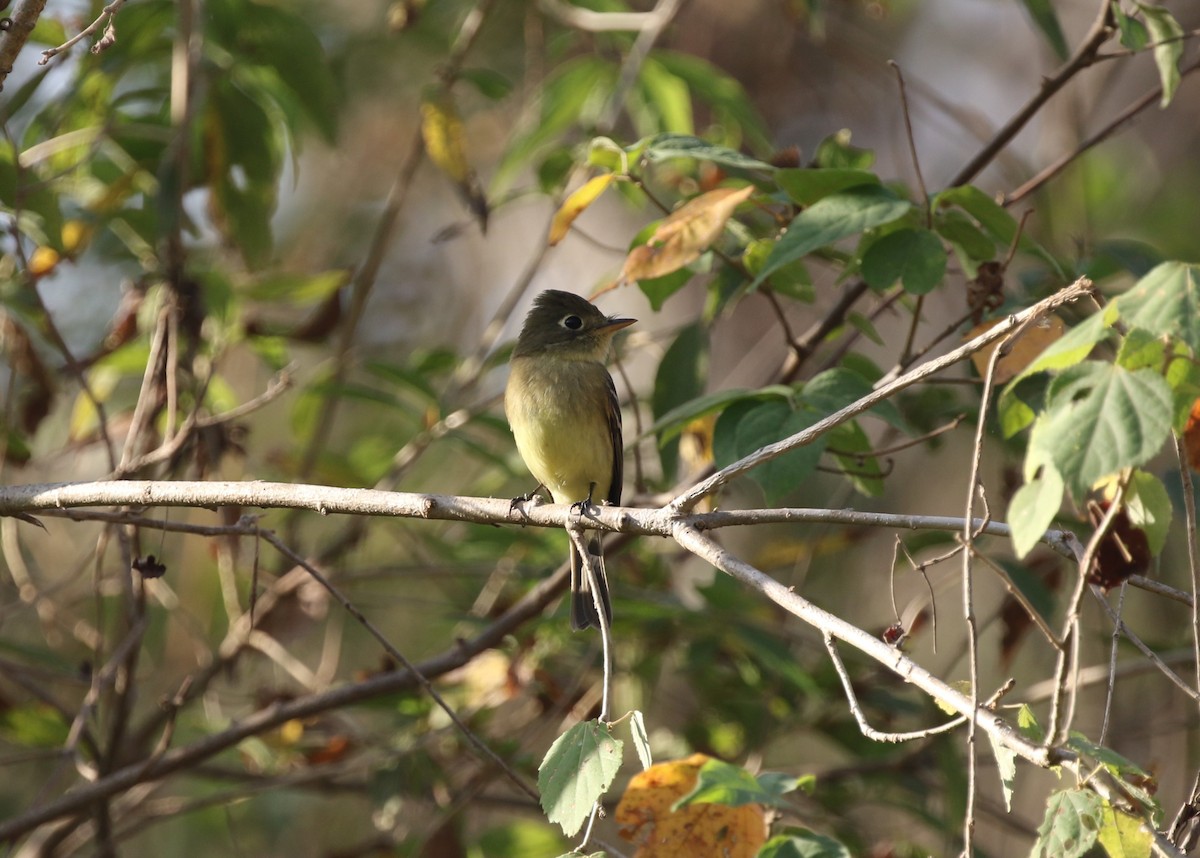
pixel 1025 349
pixel 574 205
pixel 685 234
pixel 698 829
pixel 1191 436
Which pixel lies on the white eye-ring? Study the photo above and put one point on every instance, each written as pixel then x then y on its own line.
pixel 571 322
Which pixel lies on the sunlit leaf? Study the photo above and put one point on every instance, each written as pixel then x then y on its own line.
pixel 1123 835
pixel 1071 825
pixel 575 205
pixel 1033 508
pixel 1167 36
pixel 575 772
pixel 1102 418
pixel 665 146
pixel 718 782
pixel 685 234
pixel 646 815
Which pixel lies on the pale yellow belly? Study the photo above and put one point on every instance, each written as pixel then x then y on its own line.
pixel 559 419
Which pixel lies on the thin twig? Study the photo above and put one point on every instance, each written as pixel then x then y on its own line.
pixel 1087 54
pixel 974 487
pixel 422 680
pixel 1125 116
pixel 1189 509
pixel 104 19
pixel 1068 657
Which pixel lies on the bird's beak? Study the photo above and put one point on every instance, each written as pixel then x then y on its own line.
pixel 615 324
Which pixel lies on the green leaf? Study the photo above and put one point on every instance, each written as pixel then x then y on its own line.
pixel 833 218
pixel 995 220
pixel 915 257
pixel 765 424
pixel 571 90
pixel 1065 352
pixel 852 449
pixel 834 389
pixel 1006 767
pixel 1110 759
pixel 836 152
pixel 576 771
pixel 1133 32
pixel 682 374
pixel 34 725
pixel 1033 508
pixel 1149 507
pixel 1123 835
pixel 641 740
pixel 1168 49
pixel 658 289
pixel 792 280
pixel 522 837
pixel 1028 724
pixel 806 186
pixel 802 843
pixel 297 288
pixel 1166 301
pixel 970 244
pixel 1102 418
pixel 490 84
pixel 283 42
pixel 668 95
pixel 718 782
pixel 671 424
pixel 733 110
pixel 664 146
pixel 1071 825
pixel 1042 12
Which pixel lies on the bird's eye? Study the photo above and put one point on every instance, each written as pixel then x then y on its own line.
pixel 572 322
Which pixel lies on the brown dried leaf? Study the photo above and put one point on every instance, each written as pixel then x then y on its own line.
pixel 1025 349
pixel 684 235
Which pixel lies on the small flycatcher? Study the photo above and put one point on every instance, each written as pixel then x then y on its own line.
pixel 564 413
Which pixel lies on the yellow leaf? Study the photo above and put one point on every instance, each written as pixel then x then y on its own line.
pixel 42 261
pixel 442 131
pixel 685 234
pixel 698 829
pixel 574 205
pixel 291 732
pixel 1025 349
pixel 75 236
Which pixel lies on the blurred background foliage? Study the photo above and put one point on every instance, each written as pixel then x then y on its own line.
pixel 356 194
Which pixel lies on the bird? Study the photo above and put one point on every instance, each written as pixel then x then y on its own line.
pixel 566 418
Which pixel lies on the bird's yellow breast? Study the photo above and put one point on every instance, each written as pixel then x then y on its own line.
pixel 558 410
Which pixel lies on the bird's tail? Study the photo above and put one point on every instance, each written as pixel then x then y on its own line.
pixel 583 606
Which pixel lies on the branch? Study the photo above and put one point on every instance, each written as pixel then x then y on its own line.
pixel 1087 54
pixel 886 389
pixel 57 498
pixel 890 657
pixel 24 19
pixel 183 757
pixel 106 16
